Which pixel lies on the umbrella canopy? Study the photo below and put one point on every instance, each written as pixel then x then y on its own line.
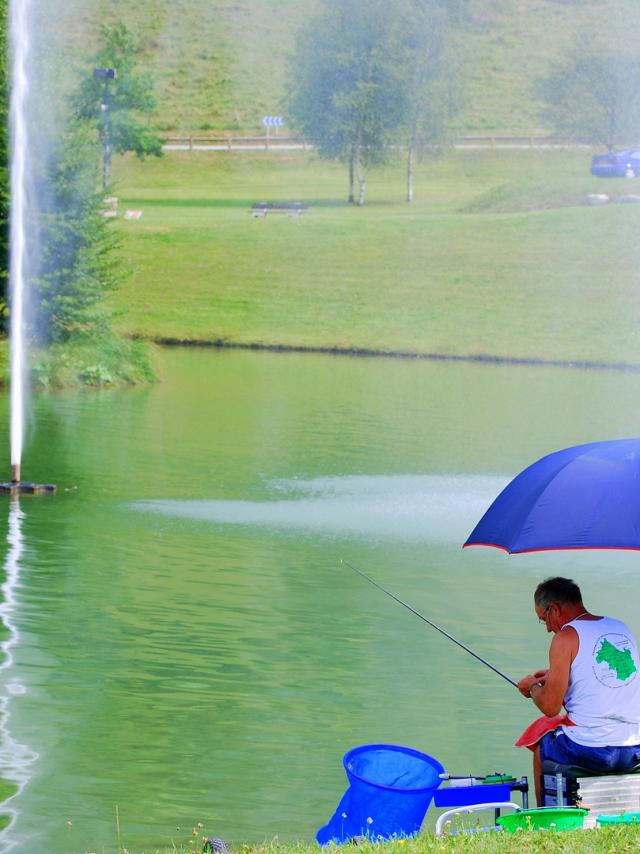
pixel 584 497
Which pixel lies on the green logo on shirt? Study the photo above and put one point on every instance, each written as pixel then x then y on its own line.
pixel 618 660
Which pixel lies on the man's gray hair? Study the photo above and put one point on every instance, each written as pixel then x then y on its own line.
pixel 562 591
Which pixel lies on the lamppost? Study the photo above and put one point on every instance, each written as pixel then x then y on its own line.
pixel 105 74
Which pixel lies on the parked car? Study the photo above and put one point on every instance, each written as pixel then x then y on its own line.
pixel 617 164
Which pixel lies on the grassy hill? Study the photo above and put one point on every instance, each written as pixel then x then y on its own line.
pixel 222 63
pixel 496 255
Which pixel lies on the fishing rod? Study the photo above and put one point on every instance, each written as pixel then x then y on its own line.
pixel 429 623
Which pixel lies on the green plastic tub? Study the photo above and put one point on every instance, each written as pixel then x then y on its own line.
pixel 623 818
pixel 545 818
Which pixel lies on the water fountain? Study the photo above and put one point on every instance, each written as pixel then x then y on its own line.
pixel 16 758
pixel 19 250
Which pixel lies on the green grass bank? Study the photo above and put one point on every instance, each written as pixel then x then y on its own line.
pixel 102 361
pixel 609 840
pixel 497 256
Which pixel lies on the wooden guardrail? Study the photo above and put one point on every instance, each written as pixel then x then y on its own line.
pixel 231 141
pixel 506 140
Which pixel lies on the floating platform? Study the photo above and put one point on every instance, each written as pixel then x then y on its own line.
pixel 26 488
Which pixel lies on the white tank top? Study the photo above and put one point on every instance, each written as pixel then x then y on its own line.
pixel 603 698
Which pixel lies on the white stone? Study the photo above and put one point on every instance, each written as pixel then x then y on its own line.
pixel 596 199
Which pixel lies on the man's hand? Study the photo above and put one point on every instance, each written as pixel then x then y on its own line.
pixel 527 682
pixel 552 683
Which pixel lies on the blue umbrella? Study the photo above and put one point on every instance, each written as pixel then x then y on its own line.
pixel 583 497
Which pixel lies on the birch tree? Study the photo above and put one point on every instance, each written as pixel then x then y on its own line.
pixel 431 86
pixel 346 85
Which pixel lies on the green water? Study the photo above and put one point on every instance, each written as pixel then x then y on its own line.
pixel 180 637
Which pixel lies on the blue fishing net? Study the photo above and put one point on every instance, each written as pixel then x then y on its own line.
pixel 390 789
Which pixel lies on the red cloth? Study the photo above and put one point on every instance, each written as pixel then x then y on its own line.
pixel 534 732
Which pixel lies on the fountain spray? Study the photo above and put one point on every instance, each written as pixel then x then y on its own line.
pixel 19 153
pixel 19 30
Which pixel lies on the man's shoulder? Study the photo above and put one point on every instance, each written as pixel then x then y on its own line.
pixel 566 639
pixel 614 623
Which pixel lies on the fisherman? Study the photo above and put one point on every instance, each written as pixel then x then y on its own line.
pixel 594 673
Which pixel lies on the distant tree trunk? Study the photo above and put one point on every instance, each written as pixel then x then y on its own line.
pixel 352 193
pixel 612 127
pixel 360 177
pixel 410 153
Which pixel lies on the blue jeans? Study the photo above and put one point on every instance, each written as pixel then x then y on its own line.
pixel 558 747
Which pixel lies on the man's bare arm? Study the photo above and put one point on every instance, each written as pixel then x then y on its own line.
pixel 548 694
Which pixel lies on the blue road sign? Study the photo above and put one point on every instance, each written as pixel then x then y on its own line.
pixel 272 121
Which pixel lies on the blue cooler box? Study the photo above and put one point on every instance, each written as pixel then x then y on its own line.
pixel 478 793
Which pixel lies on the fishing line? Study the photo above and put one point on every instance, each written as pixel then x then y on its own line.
pixel 429 623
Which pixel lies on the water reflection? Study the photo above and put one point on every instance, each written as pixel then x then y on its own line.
pixel 417 508
pixel 16 759
pixel 206 657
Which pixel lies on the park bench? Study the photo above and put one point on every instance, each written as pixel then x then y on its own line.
pixel 293 209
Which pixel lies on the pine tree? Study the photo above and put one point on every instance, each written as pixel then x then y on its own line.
pixel 78 264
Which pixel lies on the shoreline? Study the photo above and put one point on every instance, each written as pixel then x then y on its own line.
pixel 372 353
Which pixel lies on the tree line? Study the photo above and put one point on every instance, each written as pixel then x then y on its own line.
pixel 78 262
pixel 365 80
pixel 365 77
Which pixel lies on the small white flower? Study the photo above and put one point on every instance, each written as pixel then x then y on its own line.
pixel 344 815
pixel 369 820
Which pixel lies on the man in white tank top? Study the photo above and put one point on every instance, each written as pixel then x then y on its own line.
pixel 594 672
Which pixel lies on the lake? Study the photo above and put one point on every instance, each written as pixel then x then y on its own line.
pixel 181 641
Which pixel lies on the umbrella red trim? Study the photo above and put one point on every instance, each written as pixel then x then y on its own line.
pixel 557 548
